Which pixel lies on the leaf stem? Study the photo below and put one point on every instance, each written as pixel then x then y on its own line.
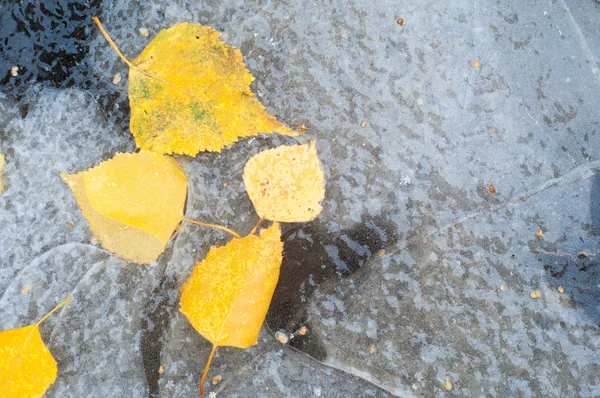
pixel 257 224
pixel 54 310
pixel 222 228
pixel 210 357
pixel 111 42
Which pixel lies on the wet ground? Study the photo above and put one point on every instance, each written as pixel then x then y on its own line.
pixel 461 155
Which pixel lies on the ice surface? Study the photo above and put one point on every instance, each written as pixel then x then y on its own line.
pixel 413 275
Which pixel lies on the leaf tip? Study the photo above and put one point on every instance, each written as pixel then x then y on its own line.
pixel 271 233
pixel 68 179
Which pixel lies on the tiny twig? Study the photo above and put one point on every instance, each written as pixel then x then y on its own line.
pixel 111 42
pixel 222 228
pixel 54 310
pixel 579 255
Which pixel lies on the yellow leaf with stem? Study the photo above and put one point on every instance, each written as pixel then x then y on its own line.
pixel 286 183
pixel 190 92
pixel 228 294
pixel 27 367
pixel 133 203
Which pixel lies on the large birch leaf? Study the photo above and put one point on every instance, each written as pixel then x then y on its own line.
pixel 190 92
pixel 228 294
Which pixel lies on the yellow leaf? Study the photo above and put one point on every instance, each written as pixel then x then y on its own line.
pixel 228 294
pixel 133 202
pixel 27 367
pixel 190 92
pixel 286 183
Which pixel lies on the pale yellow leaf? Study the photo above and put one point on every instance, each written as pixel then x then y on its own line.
pixel 286 183
pixel 133 202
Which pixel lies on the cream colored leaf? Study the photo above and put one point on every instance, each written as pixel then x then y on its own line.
pixel 133 202
pixel 286 183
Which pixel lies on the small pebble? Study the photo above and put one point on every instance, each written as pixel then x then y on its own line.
pixel 561 289
pixel 476 64
pixel 400 21
pixel 161 369
pixel 144 32
pixel 414 387
pixel 302 331
pixel 14 71
pixel 448 385
pixel 502 287
pixel 282 337
pixel 363 124
pixel 217 379
pixel 25 289
pixel 117 78
pixel 535 294
pixel 372 349
pixel 225 185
